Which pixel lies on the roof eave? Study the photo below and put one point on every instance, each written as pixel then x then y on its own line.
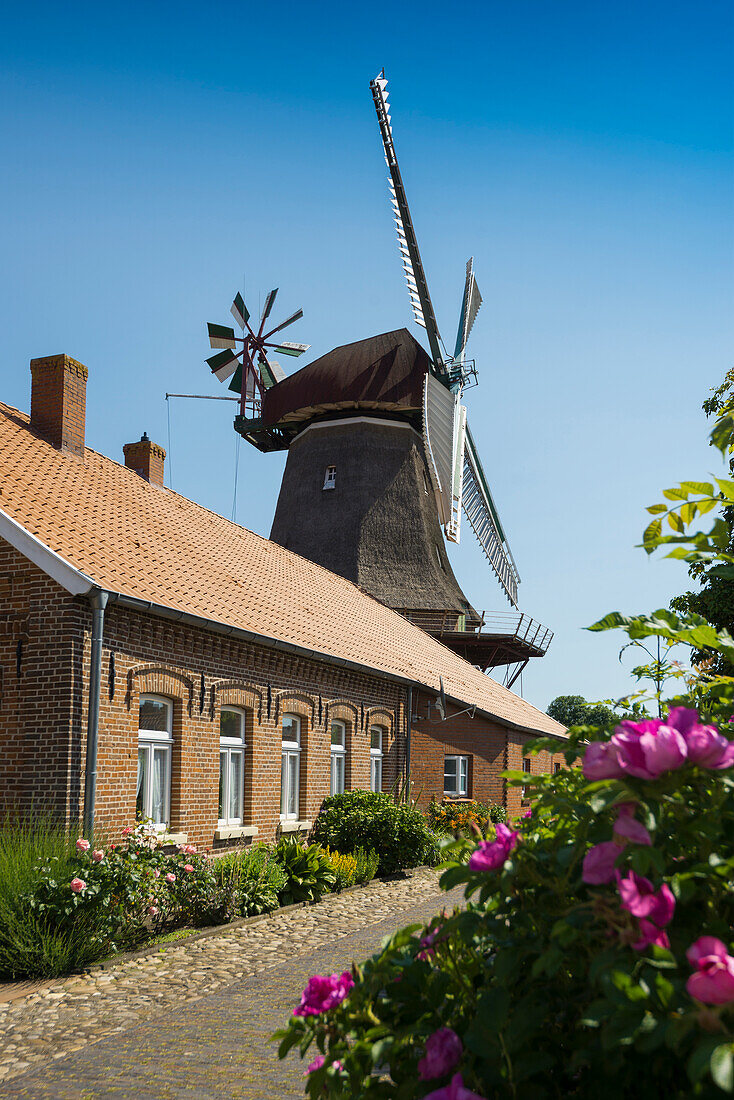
pixel 56 567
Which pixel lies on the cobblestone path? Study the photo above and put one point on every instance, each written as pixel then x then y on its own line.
pixel 193 1021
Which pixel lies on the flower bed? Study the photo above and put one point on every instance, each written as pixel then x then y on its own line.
pixel 86 901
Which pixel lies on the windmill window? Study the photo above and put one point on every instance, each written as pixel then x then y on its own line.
pixel 290 769
pixel 456 776
pixel 426 486
pixel 155 738
pixel 330 478
pixel 231 765
pixel 440 559
pixel 338 756
pixel 376 739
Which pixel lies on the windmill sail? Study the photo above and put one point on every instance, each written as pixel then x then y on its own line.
pixel 470 304
pixel 482 514
pixel 444 421
pixel 420 299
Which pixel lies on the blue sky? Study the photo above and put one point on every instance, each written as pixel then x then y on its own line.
pixel 157 155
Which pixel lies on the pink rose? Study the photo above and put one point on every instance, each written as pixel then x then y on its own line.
pixel 157 874
pixel 189 849
pixel 706 746
pixel 712 982
pixel 78 885
pixel 324 992
pixel 642 901
pixel 454 1091
pixel 491 855
pixel 82 845
pixel 127 830
pixel 188 867
pixel 600 863
pixel 170 877
pixel 318 1063
pixel 152 910
pixel 98 855
pixel 629 829
pixel 647 749
pixel 650 934
pixel 600 761
pixel 443 1051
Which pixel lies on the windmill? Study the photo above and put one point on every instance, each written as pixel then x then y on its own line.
pixel 459 480
pixel 381 463
pixel 249 367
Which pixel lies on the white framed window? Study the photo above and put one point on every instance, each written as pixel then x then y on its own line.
pixel 231 765
pixel 376 741
pixel 556 769
pixel 338 756
pixel 155 738
pixel 456 776
pixel 330 478
pixel 526 771
pixel 290 768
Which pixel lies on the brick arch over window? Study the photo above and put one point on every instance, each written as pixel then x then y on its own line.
pixel 293 702
pixel 340 710
pixel 375 716
pixel 236 693
pixel 158 680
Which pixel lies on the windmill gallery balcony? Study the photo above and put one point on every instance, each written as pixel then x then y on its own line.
pixel 496 638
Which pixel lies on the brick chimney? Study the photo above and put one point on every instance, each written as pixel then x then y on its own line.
pixel 59 401
pixel 146 458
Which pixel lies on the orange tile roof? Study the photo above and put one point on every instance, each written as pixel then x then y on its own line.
pixel 147 542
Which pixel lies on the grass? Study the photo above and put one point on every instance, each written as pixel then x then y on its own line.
pixel 28 946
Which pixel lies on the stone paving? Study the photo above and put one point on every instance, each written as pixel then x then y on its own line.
pixel 213 980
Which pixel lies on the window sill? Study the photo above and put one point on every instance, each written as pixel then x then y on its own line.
pixel 173 838
pixel 234 832
pixel 295 826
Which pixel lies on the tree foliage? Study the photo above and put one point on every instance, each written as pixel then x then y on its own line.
pixel 714 599
pixel 573 710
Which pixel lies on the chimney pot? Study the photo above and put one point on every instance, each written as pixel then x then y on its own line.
pixel 59 401
pixel 146 458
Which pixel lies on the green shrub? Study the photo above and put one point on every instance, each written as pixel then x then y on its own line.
pixel 398 833
pixel 308 870
pixel 367 861
pixel 260 879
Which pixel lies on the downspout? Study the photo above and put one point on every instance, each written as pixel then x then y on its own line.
pixel 408 717
pixel 98 600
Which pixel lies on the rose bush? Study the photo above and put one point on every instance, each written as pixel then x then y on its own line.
pixel 595 955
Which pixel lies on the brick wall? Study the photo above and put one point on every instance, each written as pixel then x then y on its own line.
pixel 45 634
pixel 490 747
pixel 43 714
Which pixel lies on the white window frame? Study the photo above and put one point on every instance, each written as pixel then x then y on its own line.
pixel 338 757
pixel 229 747
pixel 330 478
pixel 290 750
pixel 526 771
pixel 462 776
pixel 148 742
pixel 376 757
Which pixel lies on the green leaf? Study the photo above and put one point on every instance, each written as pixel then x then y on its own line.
pixel 675 521
pixel 722 1067
pixel 705 488
pixel 676 494
pixel 655 509
pixel 652 533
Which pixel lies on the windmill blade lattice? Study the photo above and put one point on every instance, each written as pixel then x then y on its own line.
pixel 470 305
pixel 248 366
pixel 420 299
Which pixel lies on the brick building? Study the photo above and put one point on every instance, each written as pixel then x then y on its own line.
pixel 157 659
